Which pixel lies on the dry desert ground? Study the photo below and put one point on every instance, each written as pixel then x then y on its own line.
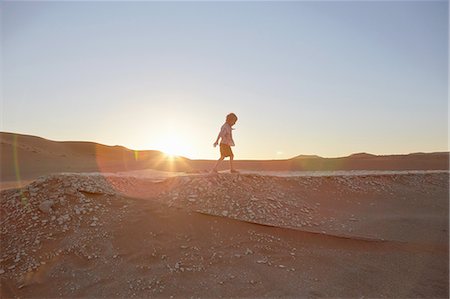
pixel 87 233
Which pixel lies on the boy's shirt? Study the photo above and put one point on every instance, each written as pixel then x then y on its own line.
pixel 226 135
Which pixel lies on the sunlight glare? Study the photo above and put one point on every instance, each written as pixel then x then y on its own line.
pixel 172 146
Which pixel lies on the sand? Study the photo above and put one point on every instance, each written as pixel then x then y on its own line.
pixel 86 220
pixel 25 158
pixel 247 235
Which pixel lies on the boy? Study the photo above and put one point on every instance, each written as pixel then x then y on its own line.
pixel 226 142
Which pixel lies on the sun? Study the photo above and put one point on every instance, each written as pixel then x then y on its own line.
pixel 172 146
pixel 170 155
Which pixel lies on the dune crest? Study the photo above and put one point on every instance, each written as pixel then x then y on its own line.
pixel 27 157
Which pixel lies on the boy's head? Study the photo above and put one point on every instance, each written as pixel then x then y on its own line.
pixel 231 119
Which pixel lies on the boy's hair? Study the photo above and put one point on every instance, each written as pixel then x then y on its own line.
pixel 231 116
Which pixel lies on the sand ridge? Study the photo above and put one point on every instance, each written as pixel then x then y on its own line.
pixel 25 158
pixel 226 235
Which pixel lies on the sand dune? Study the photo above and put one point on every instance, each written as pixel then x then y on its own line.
pixel 25 157
pixel 80 219
pixel 79 235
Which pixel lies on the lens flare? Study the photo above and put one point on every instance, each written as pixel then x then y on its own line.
pixel 23 198
pixel 111 161
pixel 16 161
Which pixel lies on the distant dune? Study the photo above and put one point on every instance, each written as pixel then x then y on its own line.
pixel 27 157
pixel 30 156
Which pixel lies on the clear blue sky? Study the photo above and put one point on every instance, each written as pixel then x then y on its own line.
pixel 325 78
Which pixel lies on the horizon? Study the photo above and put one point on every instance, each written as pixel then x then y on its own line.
pixel 305 78
pixel 179 156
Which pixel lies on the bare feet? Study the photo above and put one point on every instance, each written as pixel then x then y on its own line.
pixel 234 171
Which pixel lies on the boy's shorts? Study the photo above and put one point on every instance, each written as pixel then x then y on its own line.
pixel 225 150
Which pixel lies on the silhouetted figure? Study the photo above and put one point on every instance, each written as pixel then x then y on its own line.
pixel 226 142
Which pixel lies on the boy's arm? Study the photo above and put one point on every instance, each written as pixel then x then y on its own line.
pixel 223 132
pixel 217 140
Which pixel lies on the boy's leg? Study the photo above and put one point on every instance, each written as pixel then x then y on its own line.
pixel 217 163
pixel 231 163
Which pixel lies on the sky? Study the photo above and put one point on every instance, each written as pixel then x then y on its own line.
pixel 327 78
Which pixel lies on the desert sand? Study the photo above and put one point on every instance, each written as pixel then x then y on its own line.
pixel 25 158
pixel 117 229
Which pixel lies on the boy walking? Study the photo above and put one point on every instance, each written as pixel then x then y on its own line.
pixel 226 142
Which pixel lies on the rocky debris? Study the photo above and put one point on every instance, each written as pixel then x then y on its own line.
pixel 52 208
pixel 253 198
pixel 283 201
pixel 60 214
pixel 46 206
